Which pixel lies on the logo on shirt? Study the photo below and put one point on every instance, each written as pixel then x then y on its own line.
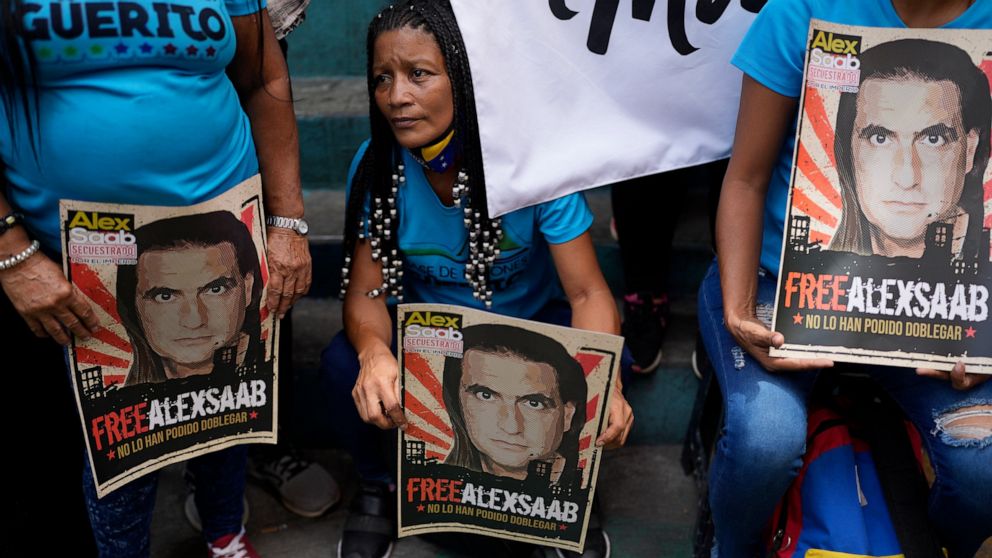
pixel 131 27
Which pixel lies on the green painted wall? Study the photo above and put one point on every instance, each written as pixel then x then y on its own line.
pixel 327 146
pixel 331 41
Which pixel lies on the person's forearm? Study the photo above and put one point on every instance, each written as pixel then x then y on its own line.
pixel 762 121
pixel 595 310
pixel 273 125
pixel 261 78
pixel 738 244
pixel 15 240
pixel 367 324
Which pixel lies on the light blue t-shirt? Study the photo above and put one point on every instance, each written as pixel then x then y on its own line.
pixel 135 107
pixel 434 245
pixel 773 52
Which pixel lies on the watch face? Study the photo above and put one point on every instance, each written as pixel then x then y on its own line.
pixel 303 227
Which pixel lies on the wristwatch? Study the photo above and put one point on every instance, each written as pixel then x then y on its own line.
pixel 299 225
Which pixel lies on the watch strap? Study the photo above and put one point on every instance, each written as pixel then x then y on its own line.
pixel 297 225
pixel 10 221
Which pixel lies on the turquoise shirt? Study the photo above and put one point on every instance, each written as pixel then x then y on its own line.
pixel 772 54
pixel 135 107
pixel 434 245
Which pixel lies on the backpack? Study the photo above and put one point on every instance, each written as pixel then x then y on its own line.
pixel 860 492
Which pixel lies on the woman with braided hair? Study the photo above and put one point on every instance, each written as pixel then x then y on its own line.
pixel 417 230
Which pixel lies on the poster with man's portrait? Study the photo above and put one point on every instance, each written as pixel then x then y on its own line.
pixel 503 417
pixel 185 360
pixel 885 258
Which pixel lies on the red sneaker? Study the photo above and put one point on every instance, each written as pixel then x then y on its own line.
pixel 232 546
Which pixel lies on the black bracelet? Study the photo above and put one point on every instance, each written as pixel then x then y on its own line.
pixel 10 221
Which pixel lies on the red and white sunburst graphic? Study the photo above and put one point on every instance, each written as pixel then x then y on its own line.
pixel 109 346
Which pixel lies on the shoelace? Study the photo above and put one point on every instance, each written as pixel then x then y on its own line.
pixel 288 466
pixel 234 549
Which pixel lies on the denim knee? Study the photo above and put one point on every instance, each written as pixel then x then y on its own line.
pixel 121 520
pixel 962 456
pixel 339 367
pixel 765 434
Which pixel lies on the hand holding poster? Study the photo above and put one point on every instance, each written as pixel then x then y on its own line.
pixel 504 414
pixel 185 360
pixel 886 254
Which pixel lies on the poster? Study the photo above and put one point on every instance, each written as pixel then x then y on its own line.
pixel 885 258
pixel 601 90
pixel 184 361
pixel 503 416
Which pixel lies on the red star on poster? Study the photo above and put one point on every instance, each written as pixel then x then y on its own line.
pixel 563 527
pixel 211 51
pixel 970 332
pixel 170 48
pixel 420 508
pixel 797 319
pixel 192 50
pixel 253 415
pixel 111 454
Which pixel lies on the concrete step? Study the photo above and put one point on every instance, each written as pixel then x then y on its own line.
pixel 648 508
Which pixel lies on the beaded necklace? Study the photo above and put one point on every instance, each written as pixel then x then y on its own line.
pixel 382 218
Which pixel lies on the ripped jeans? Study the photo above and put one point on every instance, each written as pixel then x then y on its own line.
pixel 764 437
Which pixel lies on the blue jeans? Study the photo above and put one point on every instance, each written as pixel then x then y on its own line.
pixel 764 437
pixel 365 442
pixel 122 519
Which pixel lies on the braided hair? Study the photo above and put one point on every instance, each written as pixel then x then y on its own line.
pixel 380 172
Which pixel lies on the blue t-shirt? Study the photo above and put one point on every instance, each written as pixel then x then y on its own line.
pixel 135 107
pixel 773 52
pixel 434 245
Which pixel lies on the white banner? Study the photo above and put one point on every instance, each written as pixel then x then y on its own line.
pixel 574 94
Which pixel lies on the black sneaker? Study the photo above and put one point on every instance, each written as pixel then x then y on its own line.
pixel 305 487
pixel 644 325
pixel 370 529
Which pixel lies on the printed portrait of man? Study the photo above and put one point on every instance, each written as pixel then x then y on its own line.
pixel 515 397
pixel 911 148
pixel 191 304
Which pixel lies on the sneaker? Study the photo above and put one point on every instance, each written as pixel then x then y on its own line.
pixel 232 546
pixel 370 529
pixel 305 487
pixel 193 514
pixel 645 321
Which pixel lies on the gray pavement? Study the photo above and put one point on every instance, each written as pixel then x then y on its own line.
pixel 648 508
